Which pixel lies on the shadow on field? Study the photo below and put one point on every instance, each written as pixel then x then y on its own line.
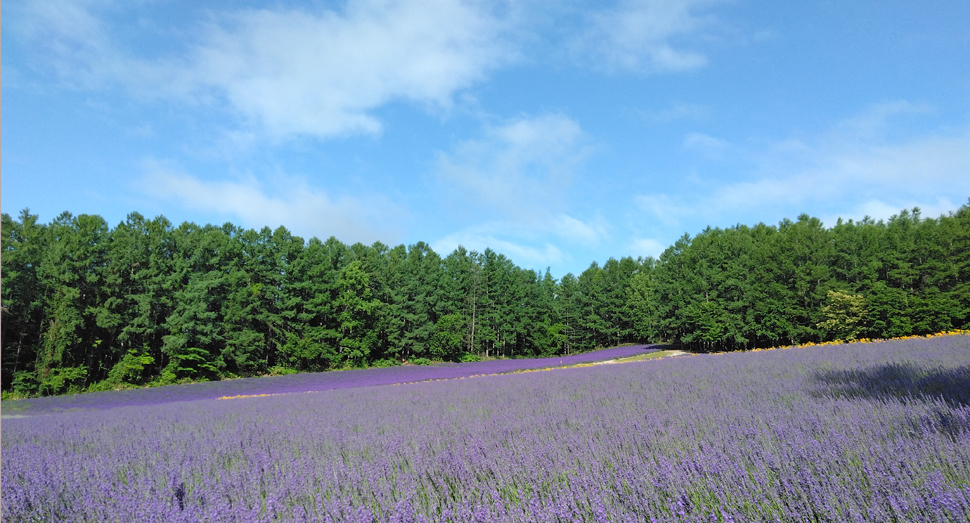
pixel 901 381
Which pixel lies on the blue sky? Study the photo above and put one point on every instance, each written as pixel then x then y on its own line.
pixel 555 134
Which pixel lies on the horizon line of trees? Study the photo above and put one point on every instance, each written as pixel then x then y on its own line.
pixel 89 307
pixel 746 287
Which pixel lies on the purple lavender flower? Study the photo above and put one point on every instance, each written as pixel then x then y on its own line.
pixel 864 432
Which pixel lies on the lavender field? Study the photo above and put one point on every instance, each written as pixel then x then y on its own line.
pixel 866 432
pixel 308 382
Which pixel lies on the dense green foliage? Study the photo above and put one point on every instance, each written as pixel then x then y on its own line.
pixel 798 282
pixel 88 307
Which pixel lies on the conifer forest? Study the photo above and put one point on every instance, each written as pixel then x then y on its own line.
pixel 88 306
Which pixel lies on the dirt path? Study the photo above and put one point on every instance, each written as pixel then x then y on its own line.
pixel 666 354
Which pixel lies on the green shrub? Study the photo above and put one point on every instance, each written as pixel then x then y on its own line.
pixel 11 395
pixel 106 385
pixel 25 384
pixel 420 361
pixel 468 358
pixel 387 362
pixel 130 369
pixel 280 370
pixel 63 379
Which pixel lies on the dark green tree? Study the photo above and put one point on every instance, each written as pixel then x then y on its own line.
pixel 24 242
pixel 356 312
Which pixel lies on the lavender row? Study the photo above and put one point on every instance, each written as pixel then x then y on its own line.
pixel 867 432
pixel 307 382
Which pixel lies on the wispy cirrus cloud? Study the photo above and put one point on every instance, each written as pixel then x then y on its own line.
pixel 707 145
pixel 539 243
pixel 304 209
pixel 520 170
pixel 643 35
pixel 525 253
pixel 860 166
pixel 677 111
pixel 661 207
pixel 517 180
pixel 646 247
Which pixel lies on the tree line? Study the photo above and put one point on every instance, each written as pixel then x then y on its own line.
pixel 90 307
pixel 745 287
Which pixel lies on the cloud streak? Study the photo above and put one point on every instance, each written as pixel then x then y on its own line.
pixel 524 254
pixel 304 210
pixel 638 35
pixel 646 247
pixel 520 170
pixel 518 178
pixel 857 167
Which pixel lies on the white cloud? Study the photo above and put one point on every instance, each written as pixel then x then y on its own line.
pixel 521 254
pixel 75 39
pixel 847 170
pixel 662 207
pixel 516 181
pixel 70 22
pixel 875 120
pixel 879 210
pixel 646 247
pixel 637 34
pixel 857 168
pixel 290 72
pixel 535 244
pixel 679 111
pixel 304 210
pixel 577 231
pixel 522 169
pixel 706 145
pixel 320 73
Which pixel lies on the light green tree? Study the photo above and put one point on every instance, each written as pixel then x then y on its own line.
pixel 844 315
